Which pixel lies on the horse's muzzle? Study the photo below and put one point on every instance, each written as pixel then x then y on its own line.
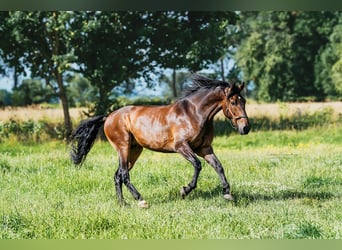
pixel 243 125
pixel 244 130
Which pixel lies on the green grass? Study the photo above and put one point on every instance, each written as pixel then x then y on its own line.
pixel 287 184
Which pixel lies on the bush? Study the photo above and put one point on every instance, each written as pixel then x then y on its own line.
pixel 29 131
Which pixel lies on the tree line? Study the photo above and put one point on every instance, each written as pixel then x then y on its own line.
pixel 286 56
pixel 292 55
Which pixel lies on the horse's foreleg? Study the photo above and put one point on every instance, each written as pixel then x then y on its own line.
pixel 211 158
pixel 188 154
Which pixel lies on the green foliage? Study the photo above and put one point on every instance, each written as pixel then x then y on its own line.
pixel 191 39
pixel 5 98
pixel 122 101
pixel 40 43
pixel 30 131
pixel 112 53
pixel 328 67
pixel 80 91
pixel 31 92
pixel 109 50
pixel 286 55
pixel 24 131
pixel 174 86
pixel 280 50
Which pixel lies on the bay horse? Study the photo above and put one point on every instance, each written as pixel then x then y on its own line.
pixel 185 127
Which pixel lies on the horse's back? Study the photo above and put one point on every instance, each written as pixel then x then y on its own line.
pixel 159 128
pixel 147 124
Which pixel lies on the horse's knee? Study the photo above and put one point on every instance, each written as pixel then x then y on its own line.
pixel 197 165
pixel 125 178
pixel 117 178
pixel 121 176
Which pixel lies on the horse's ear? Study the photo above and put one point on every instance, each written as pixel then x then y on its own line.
pixel 228 90
pixel 233 89
pixel 241 86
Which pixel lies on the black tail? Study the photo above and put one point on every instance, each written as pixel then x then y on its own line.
pixel 83 138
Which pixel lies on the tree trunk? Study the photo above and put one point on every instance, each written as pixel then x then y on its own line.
pixel 59 78
pixel 102 107
pixel 15 78
pixel 64 100
pixel 174 87
pixel 222 70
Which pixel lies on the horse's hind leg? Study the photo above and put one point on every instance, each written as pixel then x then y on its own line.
pixel 126 163
pixel 134 153
pixel 121 140
pixel 118 185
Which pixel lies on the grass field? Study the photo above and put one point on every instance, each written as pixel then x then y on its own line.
pixel 287 184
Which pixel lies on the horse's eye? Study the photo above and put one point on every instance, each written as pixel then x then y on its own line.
pixel 233 103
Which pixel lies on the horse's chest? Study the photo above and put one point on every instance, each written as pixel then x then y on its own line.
pixel 202 138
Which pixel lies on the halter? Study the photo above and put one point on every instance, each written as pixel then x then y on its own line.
pixel 235 118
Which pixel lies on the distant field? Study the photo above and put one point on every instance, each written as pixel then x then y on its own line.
pixel 275 109
pixel 36 113
pixel 253 110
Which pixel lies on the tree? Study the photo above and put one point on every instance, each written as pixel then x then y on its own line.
pixel 10 53
pixel 181 79
pixel 111 48
pixel 5 98
pixel 80 91
pixel 190 40
pixel 40 43
pixel 31 91
pixel 278 52
pixel 328 66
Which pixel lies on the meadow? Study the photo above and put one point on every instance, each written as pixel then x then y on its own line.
pixel 286 180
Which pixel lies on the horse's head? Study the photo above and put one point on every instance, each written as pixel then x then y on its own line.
pixel 234 108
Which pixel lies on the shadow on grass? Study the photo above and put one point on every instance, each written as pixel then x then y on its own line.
pixel 244 198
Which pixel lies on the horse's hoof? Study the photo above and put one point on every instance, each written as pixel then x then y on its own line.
pixel 182 192
pixel 142 204
pixel 228 197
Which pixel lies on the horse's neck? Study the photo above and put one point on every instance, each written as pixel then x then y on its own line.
pixel 208 103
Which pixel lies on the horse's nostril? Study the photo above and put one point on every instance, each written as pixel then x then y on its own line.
pixel 246 129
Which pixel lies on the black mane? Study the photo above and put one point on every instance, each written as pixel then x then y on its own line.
pixel 201 82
